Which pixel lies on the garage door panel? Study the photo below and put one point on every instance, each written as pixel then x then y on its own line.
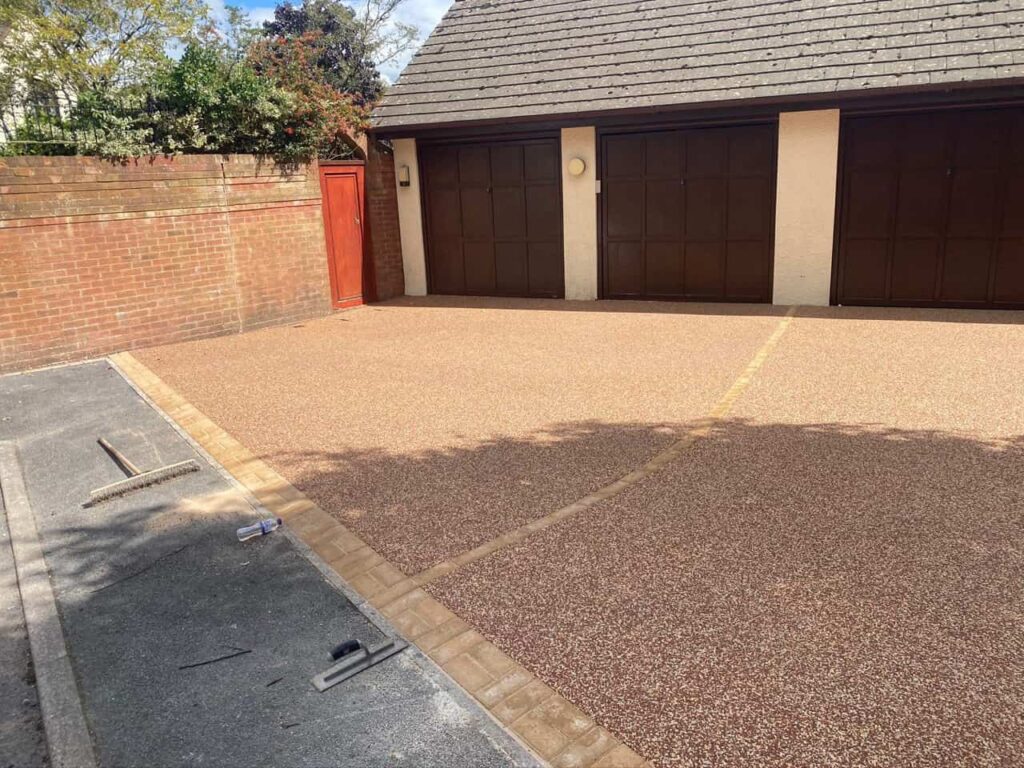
pixel 545 269
pixel 872 143
pixel 915 269
pixel 979 140
pixel 706 205
pixel 972 204
pixel 864 270
pixel 1016 138
pixel 704 270
pixel 707 154
pixel 446 271
pixel 475 204
pixel 1009 283
pixel 625 268
pixel 664 156
pixel 921 210
pixel 1013 212
pixel 751 152
pixel 664 276
pixel 441 166
pixel 965 271
pixel 749 209
pixel 871 197
pixel 474 166
pixel 923 143
pixel 746 270
pixel 625 209
pixel 479 265
pixel 663 208
pixel 493 211
pixel 509 212
pixel 510 263
pixel 507 165
pixel 623 157
pixel 544 212
pixel 540 161
pixel 949 231
pixel 443 213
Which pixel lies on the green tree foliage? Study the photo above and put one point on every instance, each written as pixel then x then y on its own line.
pixel 350 44
pixel 208 102
pixel 204 102
pixel 324 119
pixel 109 87
pixel 74 46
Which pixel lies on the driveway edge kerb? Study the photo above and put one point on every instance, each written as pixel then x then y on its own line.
pixel 67 734
pixel 554 728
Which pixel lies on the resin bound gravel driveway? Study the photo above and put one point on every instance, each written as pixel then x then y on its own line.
pixel 827 573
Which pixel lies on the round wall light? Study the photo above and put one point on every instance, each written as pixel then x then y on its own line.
pixel 577 166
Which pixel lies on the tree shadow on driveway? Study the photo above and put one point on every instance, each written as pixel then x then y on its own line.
pixel 420 508
pixel 803 594
pixel 808 594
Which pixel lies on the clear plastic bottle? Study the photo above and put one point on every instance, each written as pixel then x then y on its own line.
pixel 262 528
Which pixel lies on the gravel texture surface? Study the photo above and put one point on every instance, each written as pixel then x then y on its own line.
pixel 431 426
pixel 832 578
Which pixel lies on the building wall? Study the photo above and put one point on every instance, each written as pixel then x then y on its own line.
pixel 805 206
pixel 579 213
pixel 97 257
pixel 384 229
pixel 410 215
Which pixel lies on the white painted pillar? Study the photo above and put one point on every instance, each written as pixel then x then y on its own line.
pixel 579 213
pixel 410 218
pixel 805 206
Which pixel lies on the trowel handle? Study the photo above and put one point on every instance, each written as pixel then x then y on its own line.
pixel 349 646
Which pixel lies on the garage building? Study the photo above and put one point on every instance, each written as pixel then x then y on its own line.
pixel 867 152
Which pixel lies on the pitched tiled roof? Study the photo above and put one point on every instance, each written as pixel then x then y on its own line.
pixel 510 59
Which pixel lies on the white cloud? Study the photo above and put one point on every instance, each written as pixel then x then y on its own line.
pixel 259 14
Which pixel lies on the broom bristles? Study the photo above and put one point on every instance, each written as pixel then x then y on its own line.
pixel 141 480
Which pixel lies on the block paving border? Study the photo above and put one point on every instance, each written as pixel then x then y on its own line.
pixel 557 730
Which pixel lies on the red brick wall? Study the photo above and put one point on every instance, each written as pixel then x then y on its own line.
pixel 382 211
pixel 97 257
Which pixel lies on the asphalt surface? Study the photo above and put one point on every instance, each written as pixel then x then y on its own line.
pixel 189 647
pixel 832 577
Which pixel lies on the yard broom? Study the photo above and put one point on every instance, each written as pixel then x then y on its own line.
pixel 136 478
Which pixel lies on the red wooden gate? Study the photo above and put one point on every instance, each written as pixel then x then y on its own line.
pixel 342 185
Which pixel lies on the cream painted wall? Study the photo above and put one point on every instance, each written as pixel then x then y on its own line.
pixel 579 213
pixel 410 220
pixel 805 206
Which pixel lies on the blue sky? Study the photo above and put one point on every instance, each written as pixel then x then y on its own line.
pixel 423 14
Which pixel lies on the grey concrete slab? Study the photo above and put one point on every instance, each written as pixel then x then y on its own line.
pixel 153 583
pixel 21 726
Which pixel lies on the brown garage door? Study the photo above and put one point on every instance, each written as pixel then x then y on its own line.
pixel 688 214
pixel 933 210
pixel 494 218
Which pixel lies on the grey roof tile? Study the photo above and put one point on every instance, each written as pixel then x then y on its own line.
pixel 506 59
